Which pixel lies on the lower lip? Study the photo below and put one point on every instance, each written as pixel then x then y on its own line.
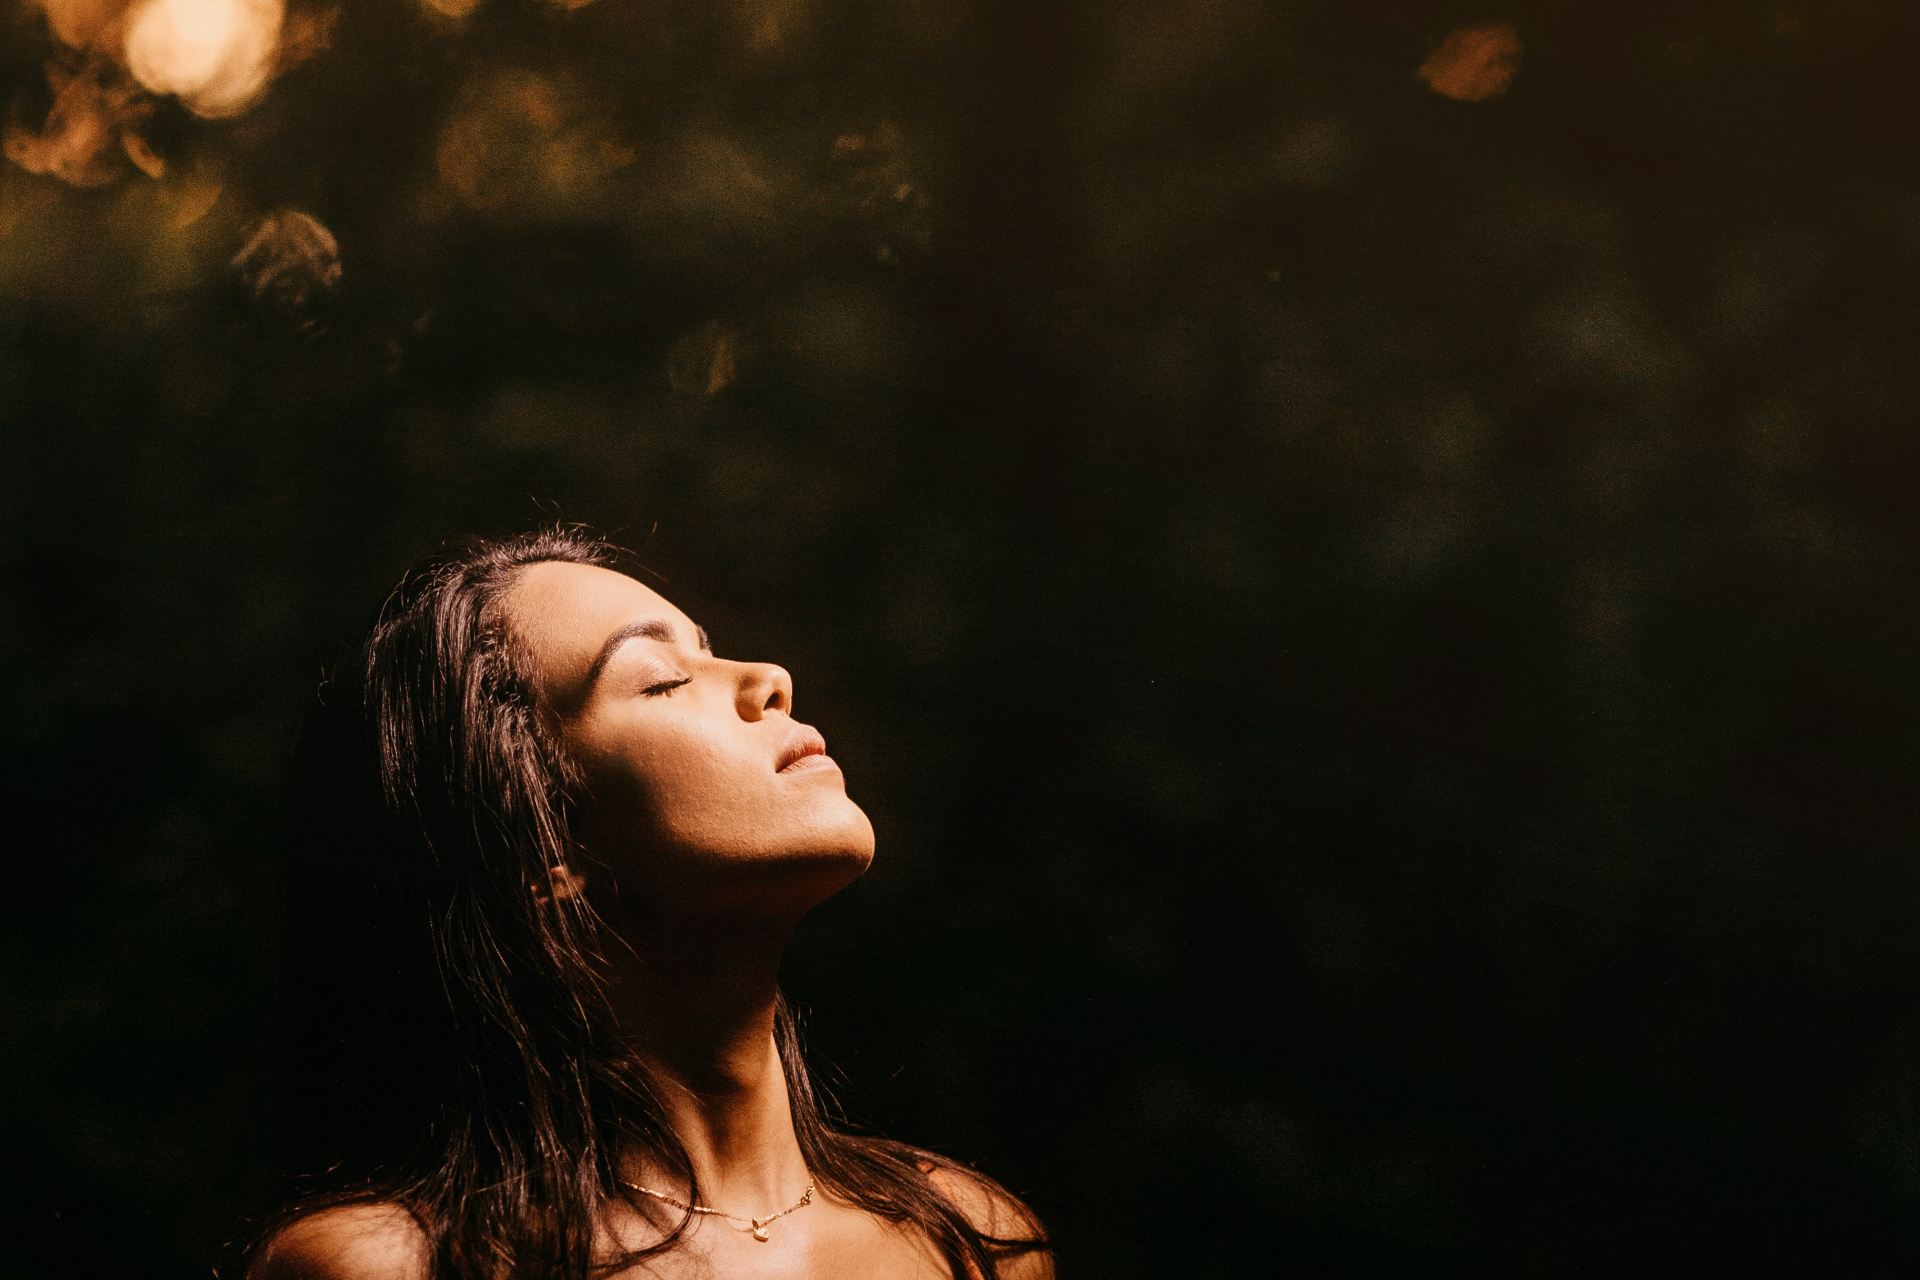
pixel 812 764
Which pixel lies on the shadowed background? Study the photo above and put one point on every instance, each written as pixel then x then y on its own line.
pixel 1362 567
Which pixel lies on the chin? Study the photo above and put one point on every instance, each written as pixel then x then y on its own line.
pixel 816 869
pixel 842 836
pixel 750 876
pixel 837 865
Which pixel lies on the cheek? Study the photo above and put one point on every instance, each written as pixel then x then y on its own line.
pixel 673 785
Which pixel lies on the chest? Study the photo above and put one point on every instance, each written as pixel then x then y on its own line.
pixel 841 1244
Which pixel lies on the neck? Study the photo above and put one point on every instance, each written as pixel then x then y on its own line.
pixel 695 999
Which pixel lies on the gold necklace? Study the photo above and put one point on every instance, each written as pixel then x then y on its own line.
pixel 757 1225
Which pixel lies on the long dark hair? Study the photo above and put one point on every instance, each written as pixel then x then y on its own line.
pixel 457 1057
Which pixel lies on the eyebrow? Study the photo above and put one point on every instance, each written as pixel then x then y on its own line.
pixel 652 629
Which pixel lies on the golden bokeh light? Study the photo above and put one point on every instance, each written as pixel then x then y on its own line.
pixel 190 199
pixel 706 360
pixel 215 55
pixel 80 24
pixel 289 258
pixel 91 131
pixel 456 9
pixel 768 24
pixel 1474 63
pixel 522 140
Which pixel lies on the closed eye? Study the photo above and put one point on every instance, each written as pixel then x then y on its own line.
pixel 665 690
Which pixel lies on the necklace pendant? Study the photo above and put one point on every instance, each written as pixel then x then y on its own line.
pixel 759 1231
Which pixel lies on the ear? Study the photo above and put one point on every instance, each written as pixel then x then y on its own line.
pixel 561 885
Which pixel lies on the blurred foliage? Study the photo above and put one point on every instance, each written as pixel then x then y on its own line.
pixel 1359 556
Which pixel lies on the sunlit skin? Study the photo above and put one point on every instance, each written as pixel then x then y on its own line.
pixel 704 857
pixel 679 747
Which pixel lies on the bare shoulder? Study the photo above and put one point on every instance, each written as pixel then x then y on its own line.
pixel 995 1211
pixel 376 1240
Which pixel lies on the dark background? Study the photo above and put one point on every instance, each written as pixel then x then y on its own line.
pixel 1375 629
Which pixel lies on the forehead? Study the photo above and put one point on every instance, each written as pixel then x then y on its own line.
pixel 564 612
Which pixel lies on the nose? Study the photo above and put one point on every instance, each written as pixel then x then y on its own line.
pixel 764 687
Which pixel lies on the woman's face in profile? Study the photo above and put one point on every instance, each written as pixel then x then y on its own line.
pixel 682 753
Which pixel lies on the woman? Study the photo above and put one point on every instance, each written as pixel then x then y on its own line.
pixel 553 849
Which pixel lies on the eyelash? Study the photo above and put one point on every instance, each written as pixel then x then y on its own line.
pixel 666 689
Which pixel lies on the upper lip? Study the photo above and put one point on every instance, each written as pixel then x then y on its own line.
pixel 803 741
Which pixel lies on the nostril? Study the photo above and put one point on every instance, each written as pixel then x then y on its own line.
pixel 765 687
pixel 782 695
